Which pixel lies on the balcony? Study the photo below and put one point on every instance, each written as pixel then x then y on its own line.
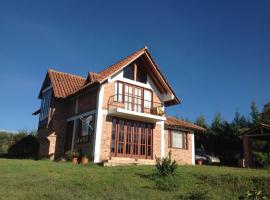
pixel 135 108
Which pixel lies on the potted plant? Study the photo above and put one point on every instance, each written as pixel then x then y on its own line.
pixel 85 160
pixel 75 156
pixel 200 161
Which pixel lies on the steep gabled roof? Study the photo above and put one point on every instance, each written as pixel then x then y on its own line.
pixel 178 123
pixel 113 69
pixel 64 84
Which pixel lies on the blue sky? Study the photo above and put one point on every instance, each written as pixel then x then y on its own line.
pixel 215 54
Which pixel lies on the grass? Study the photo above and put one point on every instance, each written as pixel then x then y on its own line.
pixel 28 179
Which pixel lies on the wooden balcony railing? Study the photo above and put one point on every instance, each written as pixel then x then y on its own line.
pixel 135 103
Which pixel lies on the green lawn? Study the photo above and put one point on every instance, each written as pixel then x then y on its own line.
pixel 28 179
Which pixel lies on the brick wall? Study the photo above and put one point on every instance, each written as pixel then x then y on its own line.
pixel 106 132
pixel 52 136
pixel 157 141
pixel 182 156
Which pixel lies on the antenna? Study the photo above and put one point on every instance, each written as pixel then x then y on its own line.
pixel 87 121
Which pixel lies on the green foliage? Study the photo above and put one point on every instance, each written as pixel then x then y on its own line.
pixel 200 121
pixel 266 113
pixel 9 138
pixel 26 147
pixel 228 134
pixel 253 195
pixel 255 114
pixel 261 159
pixel 165 166
pixel 71 154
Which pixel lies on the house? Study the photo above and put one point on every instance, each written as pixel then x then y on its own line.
pixel 126 102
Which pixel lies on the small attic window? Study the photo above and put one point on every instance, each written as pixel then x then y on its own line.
pixel 136 73
pixel 129 72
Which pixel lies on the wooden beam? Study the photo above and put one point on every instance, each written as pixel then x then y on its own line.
pixel 135 71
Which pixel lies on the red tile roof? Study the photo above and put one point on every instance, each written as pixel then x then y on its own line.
pixel 65 84
pixel 178 123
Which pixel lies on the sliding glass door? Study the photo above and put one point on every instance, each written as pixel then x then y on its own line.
pixel 131 139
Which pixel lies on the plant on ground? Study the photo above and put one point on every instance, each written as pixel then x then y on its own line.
pixel 253 194
pixel 166 169
pixel 166 166
pixel 261 159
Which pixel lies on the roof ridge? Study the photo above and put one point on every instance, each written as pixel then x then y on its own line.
pixel 69 74
pixel 141 49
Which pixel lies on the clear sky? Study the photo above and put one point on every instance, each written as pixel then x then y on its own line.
pixel 215 54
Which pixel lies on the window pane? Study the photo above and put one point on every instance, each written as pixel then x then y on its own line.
pixel 85 129
pixel 45 104
pixel 129 72
pixel 147 99
pixel 177 139
pixel 113 136
pixel 141 75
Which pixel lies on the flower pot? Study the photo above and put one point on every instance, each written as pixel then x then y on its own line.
pixel 200 162
pixel 85 161
pixel 75 160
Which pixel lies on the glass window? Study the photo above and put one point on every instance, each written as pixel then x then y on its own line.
pixel 45 104
pixel 118 92
pixel 141 75
pixel 129 72
pixel 147 99
pixel 85 129
pixel 178 139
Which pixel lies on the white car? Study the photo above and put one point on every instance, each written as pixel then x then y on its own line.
pixel 210 159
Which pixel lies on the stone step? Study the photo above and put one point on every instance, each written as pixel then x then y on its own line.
pixel 115 161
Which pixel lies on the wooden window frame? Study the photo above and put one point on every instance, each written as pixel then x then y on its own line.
pixel 184 138
pixel 132 124
pixel 133 94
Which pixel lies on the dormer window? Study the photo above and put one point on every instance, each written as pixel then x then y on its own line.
pixel 136 73
pixel 45 103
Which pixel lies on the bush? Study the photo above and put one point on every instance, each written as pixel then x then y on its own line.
pixel 165 166
pixel 261 159
pixel 26 147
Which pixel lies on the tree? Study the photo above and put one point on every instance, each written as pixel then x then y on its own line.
pixel 239 124
pixel 200 121
pixel 266 113
pixel 255 114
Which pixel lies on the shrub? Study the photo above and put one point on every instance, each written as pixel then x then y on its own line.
pixel 261 159
pixel 165 166
pixel 25 147
pixel 71 154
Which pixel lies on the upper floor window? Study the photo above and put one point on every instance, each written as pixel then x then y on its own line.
pixel 45 104
pixel 129 72
pixel 136 73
